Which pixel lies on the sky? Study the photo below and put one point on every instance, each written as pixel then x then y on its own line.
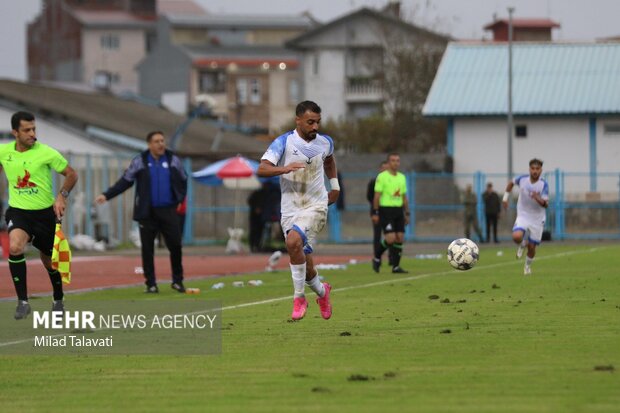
pixel 581 20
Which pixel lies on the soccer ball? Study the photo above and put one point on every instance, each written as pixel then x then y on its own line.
pixel 463 254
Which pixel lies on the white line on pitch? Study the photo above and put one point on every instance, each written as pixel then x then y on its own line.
pixel 353 287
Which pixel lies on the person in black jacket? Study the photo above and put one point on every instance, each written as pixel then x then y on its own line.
pixel 161 185
pixel 492 209
pixel 370 196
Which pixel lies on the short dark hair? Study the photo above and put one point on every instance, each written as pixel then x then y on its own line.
pixel 18 117
pixel 151 134
pixel 307 105
pixel 536 161
pixel 392 154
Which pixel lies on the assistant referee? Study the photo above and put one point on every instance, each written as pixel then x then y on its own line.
pixel 33 208
pixel 391 211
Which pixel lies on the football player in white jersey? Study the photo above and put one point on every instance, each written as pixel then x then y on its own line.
pixel 533 200
pixel 301 158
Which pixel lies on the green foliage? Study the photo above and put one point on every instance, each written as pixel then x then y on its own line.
pixel 380 134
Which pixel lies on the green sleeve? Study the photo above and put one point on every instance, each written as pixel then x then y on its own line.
pixel 57 161
pixel 404 185
pixel 379 183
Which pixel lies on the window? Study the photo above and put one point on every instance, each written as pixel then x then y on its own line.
pixel 293 91
pixel 611 129
pixel 212 81
pixel 242 91
pixel 110 41
pixel 521 131
pixel 151 42
pixel 315 64
pixel 255 95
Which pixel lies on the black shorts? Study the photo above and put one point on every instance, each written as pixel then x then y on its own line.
pixel 392 219
pixel 39 224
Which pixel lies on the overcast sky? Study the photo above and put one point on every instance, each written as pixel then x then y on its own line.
pixel 581 20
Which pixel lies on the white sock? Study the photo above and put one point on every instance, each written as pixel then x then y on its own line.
pixel 528 261
pixel 298 272
pixel 316 285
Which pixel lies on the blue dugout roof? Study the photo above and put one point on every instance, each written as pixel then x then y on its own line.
pixel 548 79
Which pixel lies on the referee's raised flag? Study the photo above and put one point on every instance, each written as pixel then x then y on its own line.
pixel 61 255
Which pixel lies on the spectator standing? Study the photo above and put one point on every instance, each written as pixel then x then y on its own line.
pixel 492 209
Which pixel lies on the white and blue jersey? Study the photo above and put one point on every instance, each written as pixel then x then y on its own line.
pixel 530 214
pixel 527 207
pixel 303 188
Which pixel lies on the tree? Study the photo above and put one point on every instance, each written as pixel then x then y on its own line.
pixel 411 60
pixel 402 64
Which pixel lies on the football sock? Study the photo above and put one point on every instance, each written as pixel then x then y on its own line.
pixel 396 250
pixel 56 284
pixel 17 266
pixel 316 285
pixel 298 271
pixel 384 246
pixel 528 261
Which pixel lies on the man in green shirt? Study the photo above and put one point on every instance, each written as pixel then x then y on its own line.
pixel 470 217
pixel 33 208
pixel 391 210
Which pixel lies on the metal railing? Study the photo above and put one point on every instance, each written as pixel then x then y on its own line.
pixel 575 211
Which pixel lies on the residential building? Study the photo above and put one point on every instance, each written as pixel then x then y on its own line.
pixel 523 30
pixel 236 65
pixel 346 61
pixel 566 106
pixel 95 44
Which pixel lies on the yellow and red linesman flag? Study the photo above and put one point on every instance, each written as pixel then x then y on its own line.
pixel 61 255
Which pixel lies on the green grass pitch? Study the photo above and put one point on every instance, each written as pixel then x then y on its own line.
pixel 492 341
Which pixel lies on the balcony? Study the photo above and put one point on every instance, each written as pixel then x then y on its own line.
pixel 363 89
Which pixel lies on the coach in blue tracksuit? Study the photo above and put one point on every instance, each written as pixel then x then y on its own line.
pixel 161 185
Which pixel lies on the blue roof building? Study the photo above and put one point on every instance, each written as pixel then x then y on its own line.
pixel 566 106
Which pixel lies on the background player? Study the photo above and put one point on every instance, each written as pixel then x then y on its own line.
pixel 533 200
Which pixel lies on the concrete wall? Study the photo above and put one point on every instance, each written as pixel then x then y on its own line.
pixel 480 144
pixel 326 87
pixel 607 146
pixel 281 108
pixel 122 61
pixel 166 69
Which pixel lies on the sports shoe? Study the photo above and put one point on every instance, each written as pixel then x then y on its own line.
pixel 376 265
pixel 152 289
pixel 527 270
pixel 178 286
pixel 58 305
pixel 398 270
pixel 520 251
pixel 300 304
pixel 22 310
pixel 324 304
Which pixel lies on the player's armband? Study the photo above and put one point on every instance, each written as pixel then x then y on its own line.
pixel 333 182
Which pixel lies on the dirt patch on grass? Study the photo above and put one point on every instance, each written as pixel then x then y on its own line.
pixel 359 377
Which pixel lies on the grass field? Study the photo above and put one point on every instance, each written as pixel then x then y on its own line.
pixel 493 341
